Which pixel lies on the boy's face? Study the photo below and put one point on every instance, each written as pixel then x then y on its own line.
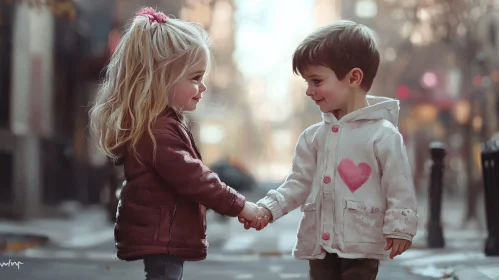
pixel 325 89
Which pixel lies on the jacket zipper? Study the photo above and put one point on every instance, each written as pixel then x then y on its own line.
pixel 189 133
pixel 170 229
pixel 158 227
pixel 194 144
pixel 335 202
pixel 333 188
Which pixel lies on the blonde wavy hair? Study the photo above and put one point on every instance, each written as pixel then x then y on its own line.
pixel 151 57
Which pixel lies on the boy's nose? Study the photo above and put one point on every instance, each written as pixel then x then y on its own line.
pixel 309 92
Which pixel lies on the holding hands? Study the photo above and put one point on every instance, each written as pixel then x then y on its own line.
pixel 253 216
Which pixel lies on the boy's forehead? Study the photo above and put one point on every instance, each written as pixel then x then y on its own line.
pixel 314 70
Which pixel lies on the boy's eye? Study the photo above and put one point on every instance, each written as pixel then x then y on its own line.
pixel 315 82
pixel 198 78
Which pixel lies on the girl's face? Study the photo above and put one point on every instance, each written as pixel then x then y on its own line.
pixel 187 91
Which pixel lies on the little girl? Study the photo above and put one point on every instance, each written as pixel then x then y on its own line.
pixel 156 74
pixel 350 175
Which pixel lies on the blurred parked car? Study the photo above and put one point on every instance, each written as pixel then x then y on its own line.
pixel 234 174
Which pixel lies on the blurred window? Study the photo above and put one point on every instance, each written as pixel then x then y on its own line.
pixel 5 63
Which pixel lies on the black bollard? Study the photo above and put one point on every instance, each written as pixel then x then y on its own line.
pixel 434 226
pixel 490 168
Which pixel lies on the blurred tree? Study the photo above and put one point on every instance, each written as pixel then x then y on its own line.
pixel 455 24
pixel 60 8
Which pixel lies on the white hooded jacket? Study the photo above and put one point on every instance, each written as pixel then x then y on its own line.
pixel 352 180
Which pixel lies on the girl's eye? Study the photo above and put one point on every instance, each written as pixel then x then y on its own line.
pixel 198 78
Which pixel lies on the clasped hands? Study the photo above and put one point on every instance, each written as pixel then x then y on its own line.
pixel 253 216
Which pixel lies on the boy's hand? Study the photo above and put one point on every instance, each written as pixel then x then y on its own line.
pixel 398 246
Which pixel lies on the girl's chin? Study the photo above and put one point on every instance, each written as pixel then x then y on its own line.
pixel 191 107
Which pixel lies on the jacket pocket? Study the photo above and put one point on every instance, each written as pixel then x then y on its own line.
pixel 307 232
pixel 362 222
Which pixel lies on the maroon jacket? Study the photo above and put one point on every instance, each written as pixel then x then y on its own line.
pixel 162 209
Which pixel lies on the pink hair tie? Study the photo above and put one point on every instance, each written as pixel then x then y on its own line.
pixel 153 15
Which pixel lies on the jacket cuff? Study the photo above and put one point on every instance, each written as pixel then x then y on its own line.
pixel 402 223
pixel 399 236
pixel 237 205
pixel 273 207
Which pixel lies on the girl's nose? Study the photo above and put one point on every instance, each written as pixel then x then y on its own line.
pixel 202 88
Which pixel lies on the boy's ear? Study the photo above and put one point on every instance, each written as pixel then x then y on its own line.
pixel 355 77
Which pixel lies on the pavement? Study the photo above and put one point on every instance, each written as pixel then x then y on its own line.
pixel 462 256
pixel 264 268
pixel 83 243
pixel 80 227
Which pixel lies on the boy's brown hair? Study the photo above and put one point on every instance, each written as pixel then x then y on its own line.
pixel 341 46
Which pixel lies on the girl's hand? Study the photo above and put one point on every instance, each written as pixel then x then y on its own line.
pixel 250 211
pixel 263 219
pixel 398 246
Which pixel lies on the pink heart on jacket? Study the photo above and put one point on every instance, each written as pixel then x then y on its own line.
pixel 354 176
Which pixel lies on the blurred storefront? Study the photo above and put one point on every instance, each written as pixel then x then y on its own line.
pixel 38 139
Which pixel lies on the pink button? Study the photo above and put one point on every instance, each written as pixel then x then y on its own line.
pixel 335 128
pixel 327 180
pixel 325 236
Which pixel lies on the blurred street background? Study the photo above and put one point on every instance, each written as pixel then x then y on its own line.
pixel 440 58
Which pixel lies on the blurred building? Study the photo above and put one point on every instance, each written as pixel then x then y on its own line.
pixel 444 72
pixel 6 28
pixel 288 111
pixel 325 12
pixel 43 134
pixel 30 122
pixel 222 123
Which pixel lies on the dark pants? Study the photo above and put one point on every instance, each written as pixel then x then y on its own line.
pixel 333 267
pixel 163 267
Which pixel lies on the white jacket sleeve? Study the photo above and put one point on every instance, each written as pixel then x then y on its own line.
pixel 296 188
pixel 401 217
